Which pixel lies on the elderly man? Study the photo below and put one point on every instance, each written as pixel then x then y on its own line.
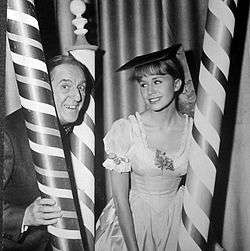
pixel 25 213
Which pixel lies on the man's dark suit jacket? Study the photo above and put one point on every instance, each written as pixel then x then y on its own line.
pixel 20 188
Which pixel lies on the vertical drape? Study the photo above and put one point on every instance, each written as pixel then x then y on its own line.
pixel 64 25
pixel 134 27
pixel 236 231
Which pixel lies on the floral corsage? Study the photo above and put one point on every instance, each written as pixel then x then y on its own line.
pixel 162 161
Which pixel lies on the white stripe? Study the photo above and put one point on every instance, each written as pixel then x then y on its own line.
pixel 207 130
pixel 22 18
pixel 196 215
pixel 33 81
pixel 29 62
pixel 185 241
pixel 42 129
pixel 213 88
pixel 88 217
pixel 202 166
pixel 51 173
pixel 69 214
pixel 223 13
pixel 216 54
pixel 84 178
pixel 55 192
pixel 38 106
pixel 85 135
pixel 48 150
pixel 91 109
pixel 25 40
pixel 64 233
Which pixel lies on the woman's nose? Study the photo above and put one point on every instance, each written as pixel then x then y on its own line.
pixel 151 88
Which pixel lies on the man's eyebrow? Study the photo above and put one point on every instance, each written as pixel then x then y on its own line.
pixel 65 80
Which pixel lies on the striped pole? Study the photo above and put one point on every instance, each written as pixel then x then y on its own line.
pixel 208 115
pixel 41 121
pixel 83 137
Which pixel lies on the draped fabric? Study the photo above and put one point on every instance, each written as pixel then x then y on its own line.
pixel 131 28
pixel 236 228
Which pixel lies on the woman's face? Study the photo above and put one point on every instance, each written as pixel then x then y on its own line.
pixel 158 91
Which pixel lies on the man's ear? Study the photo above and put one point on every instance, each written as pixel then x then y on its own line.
pixel 177 84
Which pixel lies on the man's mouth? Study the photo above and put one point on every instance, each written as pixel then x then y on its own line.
pixel 71 107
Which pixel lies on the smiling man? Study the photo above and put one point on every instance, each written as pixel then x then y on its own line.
pixel 25 214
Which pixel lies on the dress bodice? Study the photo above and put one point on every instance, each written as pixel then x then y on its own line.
pixel 140 159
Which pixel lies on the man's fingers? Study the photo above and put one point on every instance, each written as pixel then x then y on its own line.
pixel 54 215
pixel 49 209
pixel 46 201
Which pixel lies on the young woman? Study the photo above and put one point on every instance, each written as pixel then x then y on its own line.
pixel 147 155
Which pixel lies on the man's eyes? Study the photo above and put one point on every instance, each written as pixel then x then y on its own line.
pixel 81 87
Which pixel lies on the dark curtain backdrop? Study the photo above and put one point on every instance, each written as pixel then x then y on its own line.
pixel 135 27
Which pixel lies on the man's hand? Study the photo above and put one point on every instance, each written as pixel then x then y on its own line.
pixel 42 212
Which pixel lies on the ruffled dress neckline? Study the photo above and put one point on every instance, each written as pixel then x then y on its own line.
pixel 154 149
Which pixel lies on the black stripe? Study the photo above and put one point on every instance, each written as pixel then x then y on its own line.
pixel 205 146
pixel 64 203
pixel 31 72
pixel 87 200
pixel 31 92
pixel 44 139
pixel 26 50
pixel 54 182
pixel 89 122
pixel 22 6
pixel 214 70
pixel 82 152
pixel 48 162
pixel 41 119
pixel 24 30
pixel 193 231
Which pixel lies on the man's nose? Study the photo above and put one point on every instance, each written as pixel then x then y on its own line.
pixel 76 94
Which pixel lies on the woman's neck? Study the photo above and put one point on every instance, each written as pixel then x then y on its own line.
pixel 162 118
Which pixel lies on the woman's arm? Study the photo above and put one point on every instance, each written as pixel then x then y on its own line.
pixel 120 192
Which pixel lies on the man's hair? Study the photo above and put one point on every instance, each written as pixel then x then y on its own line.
pixel 68 59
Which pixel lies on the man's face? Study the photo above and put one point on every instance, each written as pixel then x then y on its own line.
pixel 69 85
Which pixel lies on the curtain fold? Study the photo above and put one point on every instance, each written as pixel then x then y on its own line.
pixel 135 27
pixel 236 228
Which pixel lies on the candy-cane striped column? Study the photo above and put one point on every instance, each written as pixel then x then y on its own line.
pixel 83 153
pixel 208 114
pixel 82 140
pixel 41 121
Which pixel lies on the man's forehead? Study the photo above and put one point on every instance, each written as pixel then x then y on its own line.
pixel 67 71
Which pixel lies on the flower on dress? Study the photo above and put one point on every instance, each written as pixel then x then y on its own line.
pixel 162 161
pixel 117 159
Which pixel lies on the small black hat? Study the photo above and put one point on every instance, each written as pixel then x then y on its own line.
pixel 164 54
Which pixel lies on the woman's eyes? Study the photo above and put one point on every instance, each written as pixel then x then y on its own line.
pixel 156 82
pixel 143 85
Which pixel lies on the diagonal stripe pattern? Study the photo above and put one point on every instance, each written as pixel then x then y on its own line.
pixel 41 121
pixel 82 143
pixel 209 110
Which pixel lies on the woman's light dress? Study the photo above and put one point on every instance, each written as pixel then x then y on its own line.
pixel 155 196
